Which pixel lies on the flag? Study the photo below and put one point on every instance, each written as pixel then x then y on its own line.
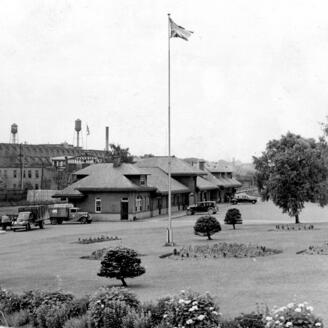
pixel 179 31
pixel 88 131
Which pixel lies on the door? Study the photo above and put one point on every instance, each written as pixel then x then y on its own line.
pixel 124 209
pixel 98 205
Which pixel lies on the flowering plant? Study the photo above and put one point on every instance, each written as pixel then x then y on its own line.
pixel 190 310
pixel 293 315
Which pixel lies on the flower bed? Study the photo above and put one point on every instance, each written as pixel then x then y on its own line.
pixel 223 250
pixel 95 255
pixel 100 239
pixel 294 227
pixel 316 250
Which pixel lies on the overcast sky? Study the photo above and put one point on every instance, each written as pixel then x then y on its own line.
pixel 251 71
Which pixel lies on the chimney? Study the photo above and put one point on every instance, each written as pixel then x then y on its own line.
pixel 201 165
pixel 107 139
pixel 116 161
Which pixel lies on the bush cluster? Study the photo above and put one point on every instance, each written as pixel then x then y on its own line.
pixel 293 315
pixel 119 308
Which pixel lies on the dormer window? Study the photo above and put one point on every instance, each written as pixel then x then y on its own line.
pixel 142 180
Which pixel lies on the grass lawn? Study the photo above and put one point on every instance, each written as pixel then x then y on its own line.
pixel 50 259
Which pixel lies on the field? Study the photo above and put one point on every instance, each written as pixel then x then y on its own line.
pixel 50 259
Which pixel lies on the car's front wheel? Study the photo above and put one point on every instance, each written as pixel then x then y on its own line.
pixel 210 211
pixel 253 201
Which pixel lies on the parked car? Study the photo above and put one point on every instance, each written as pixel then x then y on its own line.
pixel 6 220
pixel 30 216
pixel 206 206
pixel 243 198
pixel 67 212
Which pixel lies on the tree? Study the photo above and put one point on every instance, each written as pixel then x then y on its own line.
pixel 233 217
pixel 207 226
pixel 292 171
pixel 121 263
pixel 122 153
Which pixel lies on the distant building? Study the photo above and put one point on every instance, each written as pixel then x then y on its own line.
pixel 24 166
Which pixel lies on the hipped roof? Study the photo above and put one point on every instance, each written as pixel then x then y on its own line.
pixel 159 179
pixel 178 166
pixel 105 177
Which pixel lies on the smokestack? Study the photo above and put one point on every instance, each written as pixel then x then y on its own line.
pixel 107 139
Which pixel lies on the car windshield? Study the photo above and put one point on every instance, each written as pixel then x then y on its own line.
pixel 23 216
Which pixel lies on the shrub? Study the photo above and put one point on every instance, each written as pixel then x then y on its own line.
pixel 250 320
pixel 293 315
pixel 32 300
pixel 233 217
pixel 79 307
pixel 18 319
pixel 156 310
pixel 114 314
pixel 191 309
pixel 52 315
pixel 121 263
pixel 207 226
pixel 135 319
pixel 78 322
pixel 9 301
pixel 105 298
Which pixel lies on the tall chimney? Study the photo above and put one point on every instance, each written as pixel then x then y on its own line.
pixel 107 139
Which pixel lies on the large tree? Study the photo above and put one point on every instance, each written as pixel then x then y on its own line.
pixel 292 171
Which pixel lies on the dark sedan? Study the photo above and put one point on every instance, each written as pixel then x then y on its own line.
pixel 206 206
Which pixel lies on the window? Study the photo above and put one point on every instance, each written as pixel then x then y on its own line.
pixel 29 174
pixel 138 204
pixel 36 186
pixel 142 180
pixel 15 173
pixel 24 174
pixel 5 173
pixel 98 205
pixel 37 174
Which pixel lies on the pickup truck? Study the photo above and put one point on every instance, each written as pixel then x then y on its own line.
pixel 30 216
pixel 66 212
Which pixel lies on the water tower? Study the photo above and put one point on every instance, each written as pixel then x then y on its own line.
pixel 78 127
pixel 14 133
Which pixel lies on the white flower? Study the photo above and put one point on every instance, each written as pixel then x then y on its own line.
pixel 268 318
pixel 189 322
pixel 164 316
pixel 194 303
pixel 288 324
pixel 277 322
pixel 290 305
pixel 298 310
pixel 193 308
pixel 301 305
pixel 182 291
pixel 187 302
pixel 215 313
pixel 201 317
pixel 309 308
pixel 181 301
pixel 211 308
pixel 318 324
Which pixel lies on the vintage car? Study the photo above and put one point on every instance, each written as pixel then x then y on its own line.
pixel 205 206
pixel 243 198
pixel 58 213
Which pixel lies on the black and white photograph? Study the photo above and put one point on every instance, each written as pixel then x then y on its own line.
pixel 163 164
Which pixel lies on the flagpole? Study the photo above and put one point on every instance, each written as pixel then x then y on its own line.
pixel 170 232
